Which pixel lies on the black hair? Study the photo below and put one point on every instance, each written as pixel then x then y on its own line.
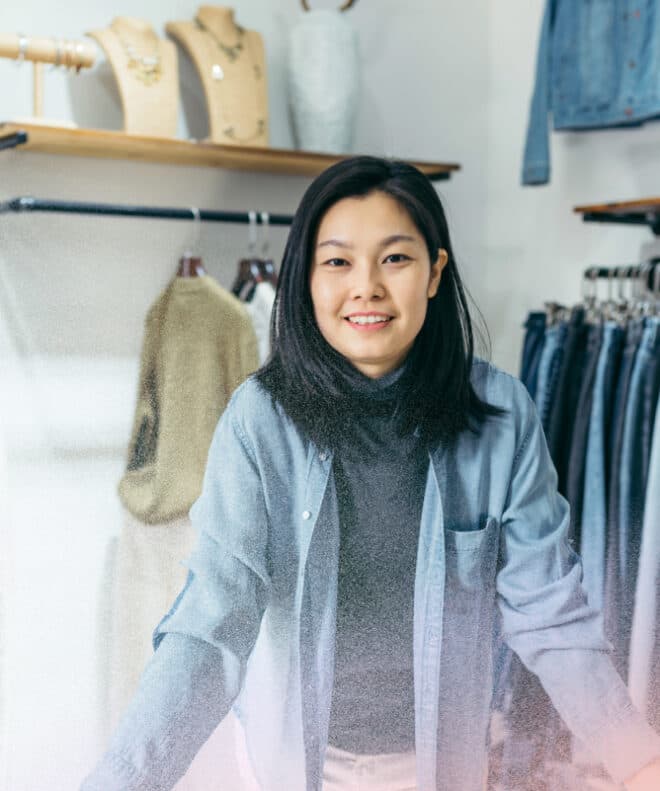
pixel 312 381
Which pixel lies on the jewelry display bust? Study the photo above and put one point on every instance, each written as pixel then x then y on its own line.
pixel 231 64
pixel 145 67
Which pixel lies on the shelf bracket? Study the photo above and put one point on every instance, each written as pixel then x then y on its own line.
pixel 13 140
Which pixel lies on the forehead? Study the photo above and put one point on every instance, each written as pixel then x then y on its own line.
pixel 371 216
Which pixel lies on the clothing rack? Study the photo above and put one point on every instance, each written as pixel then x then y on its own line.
pixel 30 204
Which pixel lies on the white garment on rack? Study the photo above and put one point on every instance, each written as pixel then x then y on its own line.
pixel 647 594
pixel 260 308
pixel 144 573
pixel 6 566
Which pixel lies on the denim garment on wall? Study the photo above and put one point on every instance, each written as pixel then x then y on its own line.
pixel 597 66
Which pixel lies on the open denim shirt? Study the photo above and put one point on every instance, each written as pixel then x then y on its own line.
pixel 253 627
pixel 598 65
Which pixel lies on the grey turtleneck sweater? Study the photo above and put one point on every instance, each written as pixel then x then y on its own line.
pixel 380 481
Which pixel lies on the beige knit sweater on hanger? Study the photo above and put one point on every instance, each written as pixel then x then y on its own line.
pixel 199 345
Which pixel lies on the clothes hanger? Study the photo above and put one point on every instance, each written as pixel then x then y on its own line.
pixel 267 263
pixel 344 6
pixel 249 269
pixel 190 263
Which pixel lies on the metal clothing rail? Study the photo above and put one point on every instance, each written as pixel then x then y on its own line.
pixel 616 272
pixel 649 270
pixel 13 140
pixel 30 204
pixel 652 219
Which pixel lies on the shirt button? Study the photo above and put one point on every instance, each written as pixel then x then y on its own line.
pixel 632 64
pixel 629 110
pixel 306 514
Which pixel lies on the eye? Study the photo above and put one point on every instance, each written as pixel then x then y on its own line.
pixel 335 263
pixel 400 256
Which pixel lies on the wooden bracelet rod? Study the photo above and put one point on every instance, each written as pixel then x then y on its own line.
pixel 60 51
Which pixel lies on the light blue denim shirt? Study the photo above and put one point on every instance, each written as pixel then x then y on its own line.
pixel 598 65
pixel 253 628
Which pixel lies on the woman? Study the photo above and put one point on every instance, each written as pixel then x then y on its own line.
pixel 377 504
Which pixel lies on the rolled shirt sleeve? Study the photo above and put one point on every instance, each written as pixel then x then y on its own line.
pixel 204 641
pixel 546 617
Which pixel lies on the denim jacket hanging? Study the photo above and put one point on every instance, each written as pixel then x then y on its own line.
pixel 253 627
pixel 598 65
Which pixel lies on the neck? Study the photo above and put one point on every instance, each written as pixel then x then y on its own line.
pixel 219 19
pixel 132 26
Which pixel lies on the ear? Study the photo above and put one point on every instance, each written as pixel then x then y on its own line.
pixel 436 272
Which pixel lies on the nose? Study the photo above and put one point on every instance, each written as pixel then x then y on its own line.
pixel 366 283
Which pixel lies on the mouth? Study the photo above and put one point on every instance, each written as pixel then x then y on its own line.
pixel 369 325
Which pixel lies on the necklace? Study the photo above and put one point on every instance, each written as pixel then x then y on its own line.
pixel 232 52
pixel 147 68
pixel 218 74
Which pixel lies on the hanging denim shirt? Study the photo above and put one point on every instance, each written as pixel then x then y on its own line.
pixel 253 627
pixel 598 65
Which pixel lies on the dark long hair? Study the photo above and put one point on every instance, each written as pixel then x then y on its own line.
pixel 312 381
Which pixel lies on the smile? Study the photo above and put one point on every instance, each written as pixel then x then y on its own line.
pixel 368 323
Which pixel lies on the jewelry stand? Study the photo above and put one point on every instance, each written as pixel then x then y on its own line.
pixel 60 52
pixel 145 68
pixel 231 64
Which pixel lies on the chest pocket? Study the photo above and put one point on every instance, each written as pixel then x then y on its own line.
pixel 471 555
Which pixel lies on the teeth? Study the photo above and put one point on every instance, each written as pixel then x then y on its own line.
pixel 368 319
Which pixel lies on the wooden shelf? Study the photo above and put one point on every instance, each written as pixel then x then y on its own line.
pixel 118 145
pixel 623 207
pixel 636 212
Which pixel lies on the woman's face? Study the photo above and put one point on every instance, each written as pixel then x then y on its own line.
pixel 369 257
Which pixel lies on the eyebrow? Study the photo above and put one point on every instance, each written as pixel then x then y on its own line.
pixel 396 237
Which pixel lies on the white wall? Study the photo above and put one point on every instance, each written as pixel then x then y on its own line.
pixel 444 81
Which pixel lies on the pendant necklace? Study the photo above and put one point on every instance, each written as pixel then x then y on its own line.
pixel 218 74
pixel 147 68
pixel 231 52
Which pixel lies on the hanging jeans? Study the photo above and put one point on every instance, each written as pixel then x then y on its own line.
pixel 549 366
pixel 535 732
pixel 532 350
pixel 614 574
pixel 594 501
pixel 564 405
pixel 578 445
pixel 644 670
pixel 635 444
pixel 594 504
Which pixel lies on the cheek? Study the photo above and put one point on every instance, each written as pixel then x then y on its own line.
pixel 324 298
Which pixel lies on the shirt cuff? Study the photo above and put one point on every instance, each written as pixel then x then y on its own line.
pixel 535 173
pixel 114 773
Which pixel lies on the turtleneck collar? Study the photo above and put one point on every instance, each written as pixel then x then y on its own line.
pixel 382 388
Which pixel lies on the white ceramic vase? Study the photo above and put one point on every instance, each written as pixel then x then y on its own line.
pixel 323 81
